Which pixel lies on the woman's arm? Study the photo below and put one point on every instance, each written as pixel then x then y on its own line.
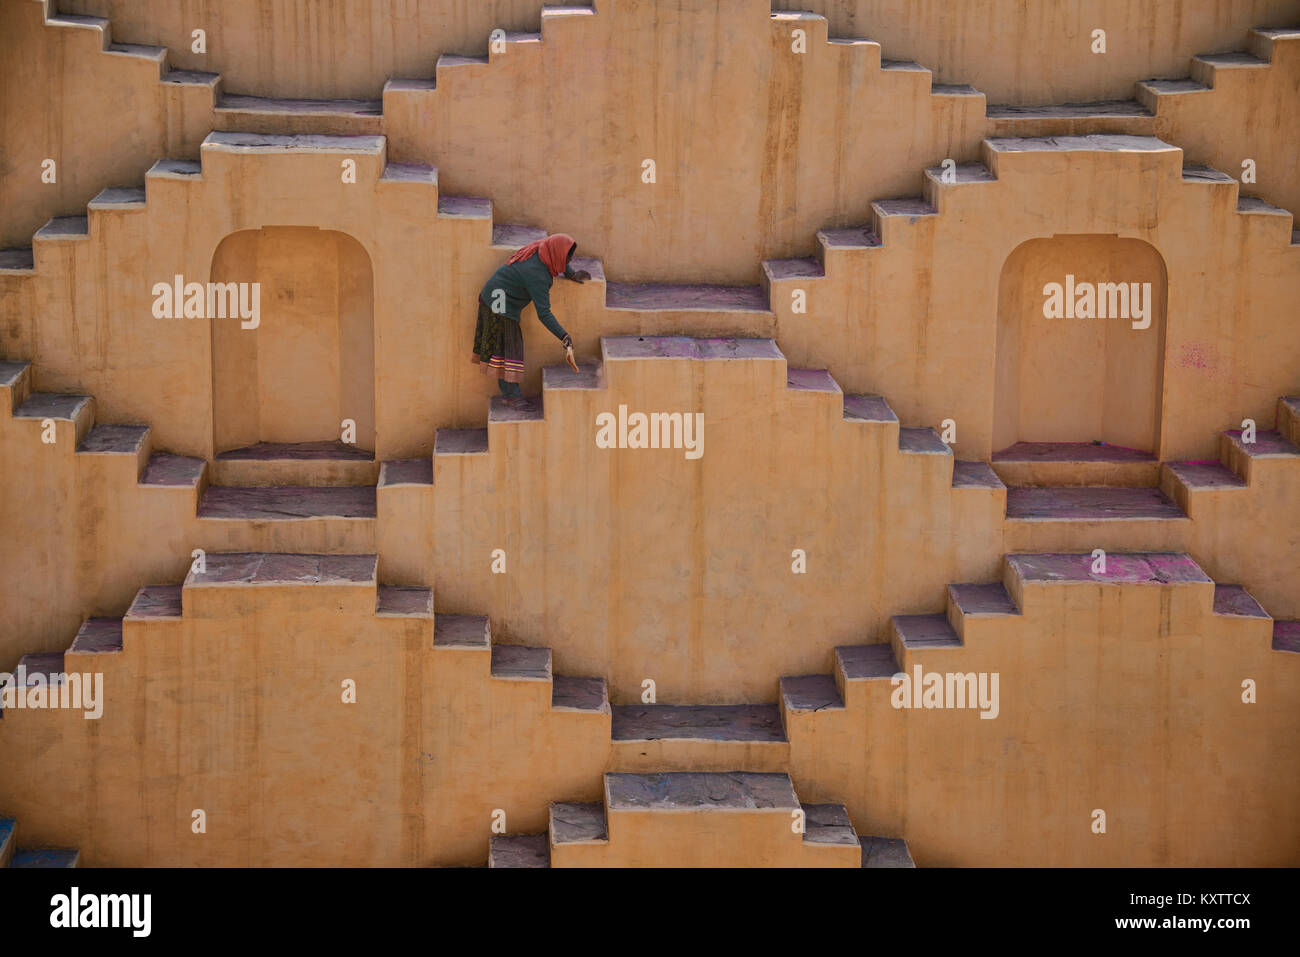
pixel 541 296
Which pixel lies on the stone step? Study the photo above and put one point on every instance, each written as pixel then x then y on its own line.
pixel 257 114
pixel 1075 464
pixel 301 464
pixel 156 602
pixel 885 852
pixel 1236 602
pixel 745 723
pixel 287 503
pixel 519 850
pixel 578 824
pixel 46 857
pixel 404 601
pixel 130 441
pixel 19 261
pixel 1090 504
pixel 828 824
pixel 976 475
pixel 588 695
pixel 118 199
pixel 979 602
pixel 1269 450
pixel 165 470
pixel 1181 480
pixel 1286 636
pixel 398 472
pixel 76 409
pixel 468 632
pixel 224 569
pixel 1032 571
pixel 1206 66
pixel 921 633
pixel 448 442
pixel 922 441
pixel 660 297
pixel 801 693
pixel 15 383
pixel 98 636
pixel 520 663
pixel 700 790
pixel 64 229
pixel 1071 119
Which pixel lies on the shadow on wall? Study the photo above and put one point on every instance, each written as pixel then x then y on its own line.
pixel 1081 343
pixel 309 363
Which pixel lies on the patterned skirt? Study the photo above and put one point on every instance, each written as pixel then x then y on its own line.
pixel 498 345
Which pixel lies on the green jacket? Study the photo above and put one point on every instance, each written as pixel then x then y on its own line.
pixel 522 283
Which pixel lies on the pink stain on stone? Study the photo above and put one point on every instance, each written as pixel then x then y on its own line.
pixel 1196 356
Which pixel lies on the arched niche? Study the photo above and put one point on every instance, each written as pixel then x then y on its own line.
pixel 1080 379
pixel 309 364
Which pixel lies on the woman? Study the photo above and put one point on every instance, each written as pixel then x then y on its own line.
pixel 526 277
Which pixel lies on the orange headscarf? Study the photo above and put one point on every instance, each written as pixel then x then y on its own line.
pixel 554 251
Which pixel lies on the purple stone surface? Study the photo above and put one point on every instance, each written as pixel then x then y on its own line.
pixel 1100 108
pixel 562 377
pixel 926 631
pixel 51 405
pixel 693 790
pixel 404 601
pixel 460 442
pixel 98 636
pixel 675 298
pixel 742 722
pixel 172 470
pixel 577 823
pixel 518 662
pixel 45 857
pixel 519 850
pixel 10 371
pixel 288 502
pixel 17 259
pixel 684 347
pixel 885 852
pixel 966 172
pixel 1126 568
pixel 261 104
pixel 810 380
pixel 828 824
pixel 868 408
pixel 1235 600
pixel 297 452
pixel 905 206
pixel 48 663
pixel 460 631
pixel 473 207
pixel 256 568
pixel 778 269
pixel 1206 475
pixel 810 693
pixel 1070 452
pixel 860 662
pixel 529 410
pixel 156 601
pixel 922 442
pixel 516 237
pixel 982 599
pixel 406 472
pixel 1286 636
pixel 579 694
pixel 974 475
pixel 854 237
pixel 1267 443
pixel 1090 503
pixel 117 439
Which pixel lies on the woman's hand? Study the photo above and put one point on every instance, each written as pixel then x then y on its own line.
pixel 580 276
pixel 568 357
